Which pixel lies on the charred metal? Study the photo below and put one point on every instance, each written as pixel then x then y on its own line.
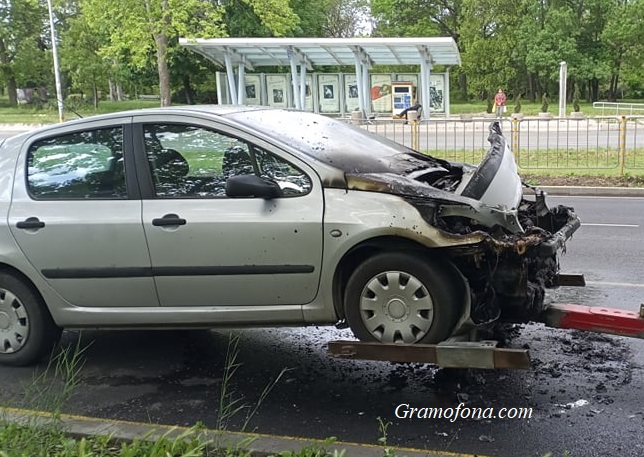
pixel 509 272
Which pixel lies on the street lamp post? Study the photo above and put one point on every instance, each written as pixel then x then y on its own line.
pixel 54 48
pixel 563 78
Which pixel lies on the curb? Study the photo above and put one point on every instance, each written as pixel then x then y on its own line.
pixel 583 191
pixel 260 444
pixel 20 128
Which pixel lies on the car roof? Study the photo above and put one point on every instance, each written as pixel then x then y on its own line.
pixel 216 110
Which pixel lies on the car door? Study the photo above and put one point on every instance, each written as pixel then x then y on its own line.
pixel 211 250
pixel 76 215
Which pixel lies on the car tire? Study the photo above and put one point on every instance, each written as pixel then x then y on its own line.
pixel 402 298
pixel 27 330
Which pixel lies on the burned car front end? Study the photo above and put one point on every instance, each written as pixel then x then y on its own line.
pixel 503 238
pixel 477 246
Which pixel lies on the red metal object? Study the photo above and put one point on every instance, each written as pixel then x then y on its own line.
pixel 595 319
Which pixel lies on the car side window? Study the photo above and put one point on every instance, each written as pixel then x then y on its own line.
pixel 82 165
pixel 291 179
pixel 189 161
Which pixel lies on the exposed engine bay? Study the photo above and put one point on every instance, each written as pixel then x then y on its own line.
pixel 503 238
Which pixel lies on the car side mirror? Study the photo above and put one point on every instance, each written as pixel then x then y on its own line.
pixel 252 186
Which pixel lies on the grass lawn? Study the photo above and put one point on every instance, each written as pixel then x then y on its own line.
pixel 27 114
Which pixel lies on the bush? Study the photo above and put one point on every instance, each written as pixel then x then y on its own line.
pixel 575 100
pixel 517 104
pixel 544 103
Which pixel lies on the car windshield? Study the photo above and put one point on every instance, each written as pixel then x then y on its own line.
pixel 335 143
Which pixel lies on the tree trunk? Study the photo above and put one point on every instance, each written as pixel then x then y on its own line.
pixel 112 90
pixel 535 88
pixel 593 89
pixel 95 96
pixel 611 88
pixel 462 82
pixel 187 87
pixel 161 41
pixel 12 87
pixel 12 90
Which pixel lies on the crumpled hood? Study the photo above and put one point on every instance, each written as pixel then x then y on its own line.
pixel 495 182
pixel 491 192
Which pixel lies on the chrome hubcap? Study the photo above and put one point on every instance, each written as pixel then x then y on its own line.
pixel 396 307
pixel 14 324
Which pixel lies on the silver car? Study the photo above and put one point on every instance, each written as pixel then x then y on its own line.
pixel 227 216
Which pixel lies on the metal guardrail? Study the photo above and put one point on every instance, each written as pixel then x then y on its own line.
pixel 619 108
pixel 593 143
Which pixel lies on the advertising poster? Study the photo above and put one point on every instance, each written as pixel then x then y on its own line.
pixel 381 93
pixel 277 90
pixel 408 77
pixel 308 101
pixel 328 90
pixel 252 93
pixel 436 92
pixel 351 93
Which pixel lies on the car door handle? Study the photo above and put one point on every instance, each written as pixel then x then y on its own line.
pixel 167 220
pixel 30 223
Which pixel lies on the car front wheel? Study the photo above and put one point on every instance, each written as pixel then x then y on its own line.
pixel 27 331
pixel 402 298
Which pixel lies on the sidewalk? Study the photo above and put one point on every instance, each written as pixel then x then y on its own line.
pixel 261 444
pixel 583 191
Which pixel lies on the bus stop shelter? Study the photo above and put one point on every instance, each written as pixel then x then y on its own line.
pixel 303 54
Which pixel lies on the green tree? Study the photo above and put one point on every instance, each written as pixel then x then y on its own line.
pixel 141 28
pixel 417 18
pixel 23 49
pixel 624 37
pixel 593 63
pixel 344 18
pixel 80 56
pixel 550 39
pixel 488 41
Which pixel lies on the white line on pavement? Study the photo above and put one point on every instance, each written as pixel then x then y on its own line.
pixel 614 284
pixel 598 197
pixel 610 225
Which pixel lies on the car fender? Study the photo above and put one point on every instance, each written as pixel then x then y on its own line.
pixel 354 217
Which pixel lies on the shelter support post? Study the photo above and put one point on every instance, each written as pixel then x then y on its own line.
pixel 363 64
pixel 361 94
pixel 294 82
pixel 303 87
pixel 241 83
pixel 232 89
pixel 425 78
pixel 366 88
pixel 299 65
pixel 446 99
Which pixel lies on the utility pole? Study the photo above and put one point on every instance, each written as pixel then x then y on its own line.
pixel 54 49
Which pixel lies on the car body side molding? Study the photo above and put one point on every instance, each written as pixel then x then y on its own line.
pixel 136 272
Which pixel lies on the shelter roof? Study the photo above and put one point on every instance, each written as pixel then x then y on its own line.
pixel 262 52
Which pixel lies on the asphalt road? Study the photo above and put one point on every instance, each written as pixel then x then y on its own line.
pixel 586 390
